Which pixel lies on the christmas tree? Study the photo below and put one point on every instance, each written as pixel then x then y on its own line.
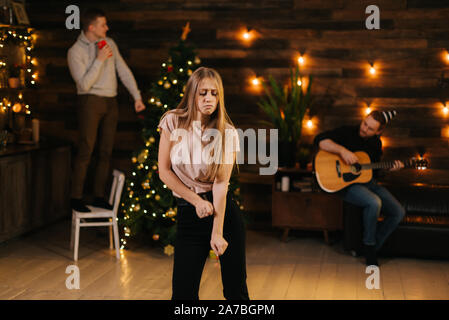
pixel 148 208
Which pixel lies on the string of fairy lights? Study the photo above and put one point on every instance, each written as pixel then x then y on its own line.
pixel 24 37
pixel 247 35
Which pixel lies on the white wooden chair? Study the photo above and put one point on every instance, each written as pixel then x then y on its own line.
pixel 100 213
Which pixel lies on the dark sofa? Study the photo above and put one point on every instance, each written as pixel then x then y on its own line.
pixel 423 233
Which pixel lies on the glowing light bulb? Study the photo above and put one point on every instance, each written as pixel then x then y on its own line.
pixel 255 81
pixel 17 107
pixel 301 60
pixel 445 110
pixel 246 35
pixel 372 70
pixel 299 82
pixel 368 110
pixel 309 124
pixel 447 56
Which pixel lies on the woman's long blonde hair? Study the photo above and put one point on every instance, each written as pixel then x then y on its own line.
pixel 187 111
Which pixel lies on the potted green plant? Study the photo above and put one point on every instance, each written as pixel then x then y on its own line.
pixel 14 74
pixel 286 109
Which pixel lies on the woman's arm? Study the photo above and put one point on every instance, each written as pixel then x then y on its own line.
pixel 171 180
pixel 219 191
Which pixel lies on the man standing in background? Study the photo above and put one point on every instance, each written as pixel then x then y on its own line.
pixel 93 61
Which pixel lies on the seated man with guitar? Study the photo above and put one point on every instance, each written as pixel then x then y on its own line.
pixel 359 187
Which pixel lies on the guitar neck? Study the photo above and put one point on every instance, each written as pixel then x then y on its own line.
pixel 383 165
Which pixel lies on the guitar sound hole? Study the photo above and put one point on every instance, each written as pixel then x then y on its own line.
pixel 355 168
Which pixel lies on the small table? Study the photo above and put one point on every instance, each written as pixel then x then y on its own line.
pixel 309 210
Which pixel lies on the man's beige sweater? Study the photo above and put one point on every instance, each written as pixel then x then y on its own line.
pixel 99 77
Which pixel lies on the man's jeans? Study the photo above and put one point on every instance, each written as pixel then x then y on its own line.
pixel 373 197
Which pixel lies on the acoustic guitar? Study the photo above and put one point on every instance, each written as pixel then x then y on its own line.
pixel 332 174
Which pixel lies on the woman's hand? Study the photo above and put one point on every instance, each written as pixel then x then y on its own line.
pixel 204 208
pixel 218 244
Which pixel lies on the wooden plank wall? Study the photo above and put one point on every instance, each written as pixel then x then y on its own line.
pixel 408 53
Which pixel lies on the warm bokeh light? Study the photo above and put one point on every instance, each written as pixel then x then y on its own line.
pixel 309 124
pixel 445 132
pixel 304 83
pixel 247 34
pixel 255 81
pixel 255 84
pixel 385 141
pixel 445 56
pixel 17 107
pixel 368 110
pixel 301 60
pixel 445 110
pixel 372 70
pixel 299 83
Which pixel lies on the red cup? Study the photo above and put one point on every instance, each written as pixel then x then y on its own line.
pixel 101 44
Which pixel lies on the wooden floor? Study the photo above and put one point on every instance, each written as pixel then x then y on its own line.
pixel 33 267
